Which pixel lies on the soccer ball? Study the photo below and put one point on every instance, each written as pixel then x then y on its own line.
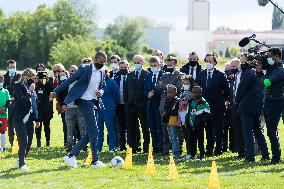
pixel 117 161
pixel 1 149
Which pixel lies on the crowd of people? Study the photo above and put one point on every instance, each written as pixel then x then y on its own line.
pixel 162 104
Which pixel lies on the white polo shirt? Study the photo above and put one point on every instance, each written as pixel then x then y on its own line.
pixel 93 86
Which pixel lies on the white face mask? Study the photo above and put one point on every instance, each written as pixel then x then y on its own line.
pixel 209 66
pixel 114 67
pixel 62 78
pixel 186 87
pixel 12 71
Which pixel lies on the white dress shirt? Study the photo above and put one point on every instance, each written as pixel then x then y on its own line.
pixel 93 87
pixel 194 71
pixel 238 80
pixel 121 83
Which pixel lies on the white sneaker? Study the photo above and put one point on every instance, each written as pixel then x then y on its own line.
pixel 70 161
pixel 1 149
pixel 24 168
pixel 187 157
pixel 98 164
pixel 17 164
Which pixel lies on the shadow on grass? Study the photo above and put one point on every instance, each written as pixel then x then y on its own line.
pixel 10 173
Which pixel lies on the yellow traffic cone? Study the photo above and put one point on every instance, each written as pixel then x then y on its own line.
pixel 150 164
pixel 213 178
pixel 15 147
pixel 173 174
pixel 89 159
pixel 128 160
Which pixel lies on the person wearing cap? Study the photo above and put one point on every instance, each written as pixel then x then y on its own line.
pixel 216 91
pixel 154 97
pixel 174 77
pixel 136 106
pixel 192 68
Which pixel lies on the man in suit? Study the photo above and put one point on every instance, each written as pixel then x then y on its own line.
pixel 85 92
pixel 136 105
pixel 153 103
pixel 192 68
pixel 120 79
pixel 10 78
pixel 249 99
pixel 216 91
pixel 171 76
pixel 114 65
pixel 159 54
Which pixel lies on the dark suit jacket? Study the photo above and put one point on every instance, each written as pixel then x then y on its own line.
pixel 154 102
pixel 117 79
pixel 215 90
pixel 185 69
pixel 9 83
pixel 22 101
pixel 249 94
pixel 134 92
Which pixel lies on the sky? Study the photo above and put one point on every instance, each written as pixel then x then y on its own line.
pixel 235 14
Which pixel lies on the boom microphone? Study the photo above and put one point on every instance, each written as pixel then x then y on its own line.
pixel 246 40
pixel 262 2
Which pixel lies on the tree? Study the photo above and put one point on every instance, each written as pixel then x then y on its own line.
pixel 85 8
pixel 234 50
pixel 127 33
pixel 277 19
pixel 227 54
pixel 71 50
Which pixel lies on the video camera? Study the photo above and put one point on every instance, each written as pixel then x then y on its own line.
pixel 42 75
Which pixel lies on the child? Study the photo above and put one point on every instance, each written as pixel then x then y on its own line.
pixel 198 114
pixel 187 81
pixel 4 103
pixel 170 118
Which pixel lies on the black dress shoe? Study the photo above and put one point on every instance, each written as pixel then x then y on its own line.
pixel 275 161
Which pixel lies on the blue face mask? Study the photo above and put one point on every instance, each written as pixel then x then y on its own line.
pixel 138 67
pixel 155 69
pixel 270 61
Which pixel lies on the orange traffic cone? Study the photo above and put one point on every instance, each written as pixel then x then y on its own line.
pixel 150 170
pixel 15 147
pixel 128 160
pixel 173 174
pixel 89 159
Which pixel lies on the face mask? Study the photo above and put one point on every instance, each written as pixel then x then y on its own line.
pixel 1 85
pixel 12 71
pixel 228 72
pixel 270 61
pixel 62 78
pixel 192 63
pixel 170 70
pixel 234 71
pixel 244 66
pixel 209 66
pixel 123 71
pixel 114 67
pixel 138 67
pixel 155 70
pixel 29 82
pixel 98 65
pixel 186 87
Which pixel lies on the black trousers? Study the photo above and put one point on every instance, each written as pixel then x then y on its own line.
pixel 196 135
pixel 64 127
pixel 239 142
pixel 166 139
pixel 214 134
pixel 185 132
pixel 228 138
pixel 122 126
pixel 46 125
pixel 133 129
pixel 24 133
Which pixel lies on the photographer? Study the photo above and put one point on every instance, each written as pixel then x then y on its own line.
pixel 44 85
pixel 274 99
pixel 249 100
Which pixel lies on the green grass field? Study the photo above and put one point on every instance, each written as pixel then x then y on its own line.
pixel 49 171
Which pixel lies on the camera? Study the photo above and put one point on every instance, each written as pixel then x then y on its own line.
pixel 42 75
pixel 256 57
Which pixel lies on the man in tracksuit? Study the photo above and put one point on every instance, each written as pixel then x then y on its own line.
pixel 274 100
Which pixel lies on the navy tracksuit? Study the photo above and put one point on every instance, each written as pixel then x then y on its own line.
pixel 153 113
pixel 216 92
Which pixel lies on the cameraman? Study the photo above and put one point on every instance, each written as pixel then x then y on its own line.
pixel 44 85
pixel 249 99
pixel 274 99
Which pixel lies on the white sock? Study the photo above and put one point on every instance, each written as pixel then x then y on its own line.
pixel 3 140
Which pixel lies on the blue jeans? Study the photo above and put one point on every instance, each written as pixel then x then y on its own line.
pixel 109 119
pixel 88 110
pixel 173 136
pixel 154 123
